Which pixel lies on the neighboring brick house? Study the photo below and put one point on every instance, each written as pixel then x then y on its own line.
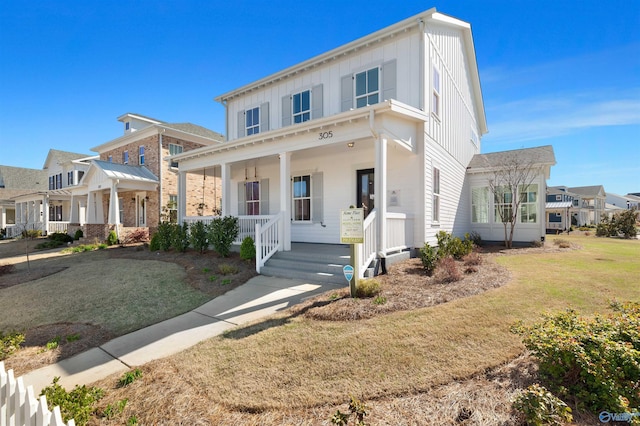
pixel 134 185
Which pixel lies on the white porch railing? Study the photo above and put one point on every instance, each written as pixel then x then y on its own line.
pixel 399 228
pixel 53 227
pixel 12 231
pixel 246 224
pixel 555 225
pixel 268 239
pixel 367 250
pixel 193 219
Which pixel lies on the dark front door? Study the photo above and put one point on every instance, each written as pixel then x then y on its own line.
pixel 365 196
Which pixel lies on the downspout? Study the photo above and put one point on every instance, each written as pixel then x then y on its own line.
pixel 160 161
pixel 421 67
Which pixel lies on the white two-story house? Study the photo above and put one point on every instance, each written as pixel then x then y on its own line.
pixel 387 123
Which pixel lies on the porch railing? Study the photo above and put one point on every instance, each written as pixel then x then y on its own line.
pixel 367 250
pixel 53 227
pixel 399 230
pixel 246 224
pixel 268 238
pixel 13 231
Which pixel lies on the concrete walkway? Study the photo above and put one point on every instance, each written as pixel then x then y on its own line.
pixel 257 298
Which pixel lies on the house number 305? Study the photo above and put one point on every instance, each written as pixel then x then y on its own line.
pixel 325 135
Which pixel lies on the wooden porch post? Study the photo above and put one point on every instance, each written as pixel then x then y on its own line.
pixel 381 192
pixel 285 196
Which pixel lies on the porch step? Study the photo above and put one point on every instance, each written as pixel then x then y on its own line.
pixel 316 263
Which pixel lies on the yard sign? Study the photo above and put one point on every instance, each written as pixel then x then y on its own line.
pixel 351 226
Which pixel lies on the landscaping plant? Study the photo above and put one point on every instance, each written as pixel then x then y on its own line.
pixel 540 407
pixel 78 404
pixel 247 249
pixel 10 343
pixel 222 232
pixel 180 237
pixel 198 236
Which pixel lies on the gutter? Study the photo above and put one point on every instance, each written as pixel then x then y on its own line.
pixel 160 161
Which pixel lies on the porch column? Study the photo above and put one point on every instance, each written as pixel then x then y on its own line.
pixel 74 213
pixel 114 208
pixel 82 210
pixel 96 214
pixel 225 176
pixel 381 192
pixel 182 196
pixel 44 218
pixel 285 197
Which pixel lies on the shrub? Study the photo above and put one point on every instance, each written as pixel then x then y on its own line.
pixel 357 409
pixel 379 300
pixel 429 257
pixel 112 238
pixel 48 244
pixel 136 236
pixel 77 404
pixel 625 223
pixel 154 245
pixel 474 237
pixel 227 269
pixel 165 231
pixel 61 237
pixel 367 288
pixel 10 343
pixel 7 269
pixel 448 245
pixel 129 377
pixel 537 243
pixel 222 232
pixel 31 233
pixel 198 236
pixel 448 270
pixel 247 249
pixel 180 237
pixel 472 259
pixel 112 411
pixel 595 360
pixel 540 407
pixel 79 234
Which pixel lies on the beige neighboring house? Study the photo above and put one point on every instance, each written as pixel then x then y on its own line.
pixel 14 182
pixel 592 202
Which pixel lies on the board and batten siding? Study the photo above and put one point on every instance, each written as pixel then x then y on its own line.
pixel 403 49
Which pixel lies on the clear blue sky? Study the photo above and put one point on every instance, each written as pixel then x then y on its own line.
pixel 565 73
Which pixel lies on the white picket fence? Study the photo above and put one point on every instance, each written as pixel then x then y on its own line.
pixel 20 407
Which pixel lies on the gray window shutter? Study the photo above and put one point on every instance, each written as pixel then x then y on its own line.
pixel 317 210
pixel 242 126
pixel 242 199
pixel 316 99
pixel 389 80
pixel 286 111
pixel 264 117
pixel 346 93
pixel 264 196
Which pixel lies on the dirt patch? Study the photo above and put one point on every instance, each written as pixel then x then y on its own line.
pixel 22 276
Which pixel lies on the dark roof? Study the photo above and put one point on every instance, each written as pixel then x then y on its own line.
pixel 63 156
pixel 537 155
pixel 23 178
pixel 194 129
pixel 589 191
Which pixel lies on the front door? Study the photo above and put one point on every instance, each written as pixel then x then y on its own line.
pixel 365 196
pixel 141 210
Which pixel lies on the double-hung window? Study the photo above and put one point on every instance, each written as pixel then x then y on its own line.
pixel 141 155
pixel 367 87
pixel 125 157
pixel 174 150
pixel 52 182
pixel 480 205
pixel 302 198
pixel 436 93
pixel 503 204
pixel 529 204
pixel 436 195
pixel 59 181
pixel 252 197
pixel 69 178
pixel 252 121
pixel 172 207
pixel 301 106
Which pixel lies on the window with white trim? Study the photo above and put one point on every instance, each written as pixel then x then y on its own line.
pixel 480 205
pixel 367 87
pixel 436 195
pixel 302 198
pixel 252 197
pixel 529 204
pixel 141 155
pixel 52 182
pixel 252 121
pixel 69 178
pixel 301 106
pixel 174 150
pixel 436 93
pixel 172 207
pixel 558 197
pixel 503 205
pixel 127 126
pixel 125 157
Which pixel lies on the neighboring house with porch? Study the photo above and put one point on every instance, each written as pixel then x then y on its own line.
pixel 617 202
pixel 14 182
pixel 592 203
pixel 562 210
pixel 387 123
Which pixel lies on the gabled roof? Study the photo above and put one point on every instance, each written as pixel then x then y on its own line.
pixel 23 178
pixel 588 191
pixel 124 116
pixel 125 172
pixel 541 155
pixel 62 157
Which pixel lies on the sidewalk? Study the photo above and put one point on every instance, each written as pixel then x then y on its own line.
pixel 257 298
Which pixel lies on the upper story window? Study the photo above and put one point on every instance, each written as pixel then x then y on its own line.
pixel 127 126
pixel 301 106
pixel 141 155
pixel 80 174
pixel 174 150
pixel 436 92
pixel 69 178
pixel 125 157
pixel 367 87
pixel 252 121
pixel 558 197
pixel 52 182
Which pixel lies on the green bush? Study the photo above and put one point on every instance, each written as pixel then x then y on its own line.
pixel 49 244
pixel 625 223
pixel 112 238
pixel 31 233
pixel 227 269
pixel 199 237
pixel 247 249
pixel 79 234
pixel 596 360
pixel 540 407
pixel 450 246
pixel 164 233
pixel 129 377
pixel 357 410
pixel 10 343
pixel 222 232
pixel 154 244
pixel 61 237
pixel 367 288
pixel 429 257
pixel 79 404
pixel 180 237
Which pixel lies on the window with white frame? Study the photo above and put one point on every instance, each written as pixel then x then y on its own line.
pixel 367 87
pixel 80 175
pixel 480 205
pixel 174 150
pixel 58 181
pixel 503 204
pixel 127 126
pixel 141 155
pixel 302 198
pixel 252 198
pixel 529 204
pixel 69 178
pixel 558 197
pixel 436 92
pixel 173 208
pixel 252 121
pixel 121 210
pixel 436 195
pixel 125 157
pixel 301 106
pixel 52 182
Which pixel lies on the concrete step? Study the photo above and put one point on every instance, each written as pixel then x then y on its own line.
pixel 311 277
pixel 313 263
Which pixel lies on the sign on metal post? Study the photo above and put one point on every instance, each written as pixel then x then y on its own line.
pixel 352 226
pixel 348 272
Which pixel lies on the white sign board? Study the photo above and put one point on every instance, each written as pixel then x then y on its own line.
pixel 351 226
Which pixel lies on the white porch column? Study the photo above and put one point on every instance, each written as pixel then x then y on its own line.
pixel 82 211
pixel 96 212
pixel 225 175
pixel 114 208
pixel 44 216
pixel 182 196
pixel 285 197
pixel 74 213
pixel 381 191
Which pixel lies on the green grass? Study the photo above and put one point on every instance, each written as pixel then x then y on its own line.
pixel 120 295
pixel 297 362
